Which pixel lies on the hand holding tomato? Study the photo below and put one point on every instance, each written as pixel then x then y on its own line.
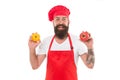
pixel 87 39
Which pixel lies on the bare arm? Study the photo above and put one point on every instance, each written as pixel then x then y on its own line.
pixel 88 58
pixel 35 60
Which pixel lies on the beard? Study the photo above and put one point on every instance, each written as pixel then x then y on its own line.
pixel 61 34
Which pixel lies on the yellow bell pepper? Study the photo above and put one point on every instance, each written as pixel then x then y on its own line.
pixel 35 37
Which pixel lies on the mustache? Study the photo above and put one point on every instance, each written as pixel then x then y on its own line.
pixel 64 26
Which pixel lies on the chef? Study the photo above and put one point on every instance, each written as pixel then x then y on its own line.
pixel 62 49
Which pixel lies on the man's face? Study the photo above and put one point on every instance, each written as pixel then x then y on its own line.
pixel 61 25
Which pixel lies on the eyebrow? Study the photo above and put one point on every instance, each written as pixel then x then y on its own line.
pixel 62 17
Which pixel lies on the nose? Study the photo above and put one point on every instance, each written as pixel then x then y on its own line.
pixel 61 22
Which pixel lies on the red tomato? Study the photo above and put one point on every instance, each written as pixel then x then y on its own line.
pixel 84 36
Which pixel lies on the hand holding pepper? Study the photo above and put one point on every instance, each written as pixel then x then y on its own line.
pixel 34 40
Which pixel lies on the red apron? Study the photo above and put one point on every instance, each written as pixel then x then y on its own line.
pixel 60 64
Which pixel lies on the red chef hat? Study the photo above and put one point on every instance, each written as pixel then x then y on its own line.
pixel 58 10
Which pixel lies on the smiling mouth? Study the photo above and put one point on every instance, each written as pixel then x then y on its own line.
pixel 61 28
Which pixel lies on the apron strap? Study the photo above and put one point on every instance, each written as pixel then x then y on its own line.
pixel 71 46
pixel 51 43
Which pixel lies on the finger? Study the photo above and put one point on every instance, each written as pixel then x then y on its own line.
pixel 30 38
pixel 90 39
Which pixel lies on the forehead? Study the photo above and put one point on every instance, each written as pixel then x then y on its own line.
pixel 60 16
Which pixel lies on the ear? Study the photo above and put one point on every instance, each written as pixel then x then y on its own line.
pixel 53 23
pixel 69 21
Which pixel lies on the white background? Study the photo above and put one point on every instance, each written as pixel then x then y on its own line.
pixel 20 18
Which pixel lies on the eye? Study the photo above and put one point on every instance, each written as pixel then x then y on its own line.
pixel 57 19
pixel 64 19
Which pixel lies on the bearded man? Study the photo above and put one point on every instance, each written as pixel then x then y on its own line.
pixel 62 49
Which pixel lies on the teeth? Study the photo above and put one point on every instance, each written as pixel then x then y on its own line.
pixel 60 26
